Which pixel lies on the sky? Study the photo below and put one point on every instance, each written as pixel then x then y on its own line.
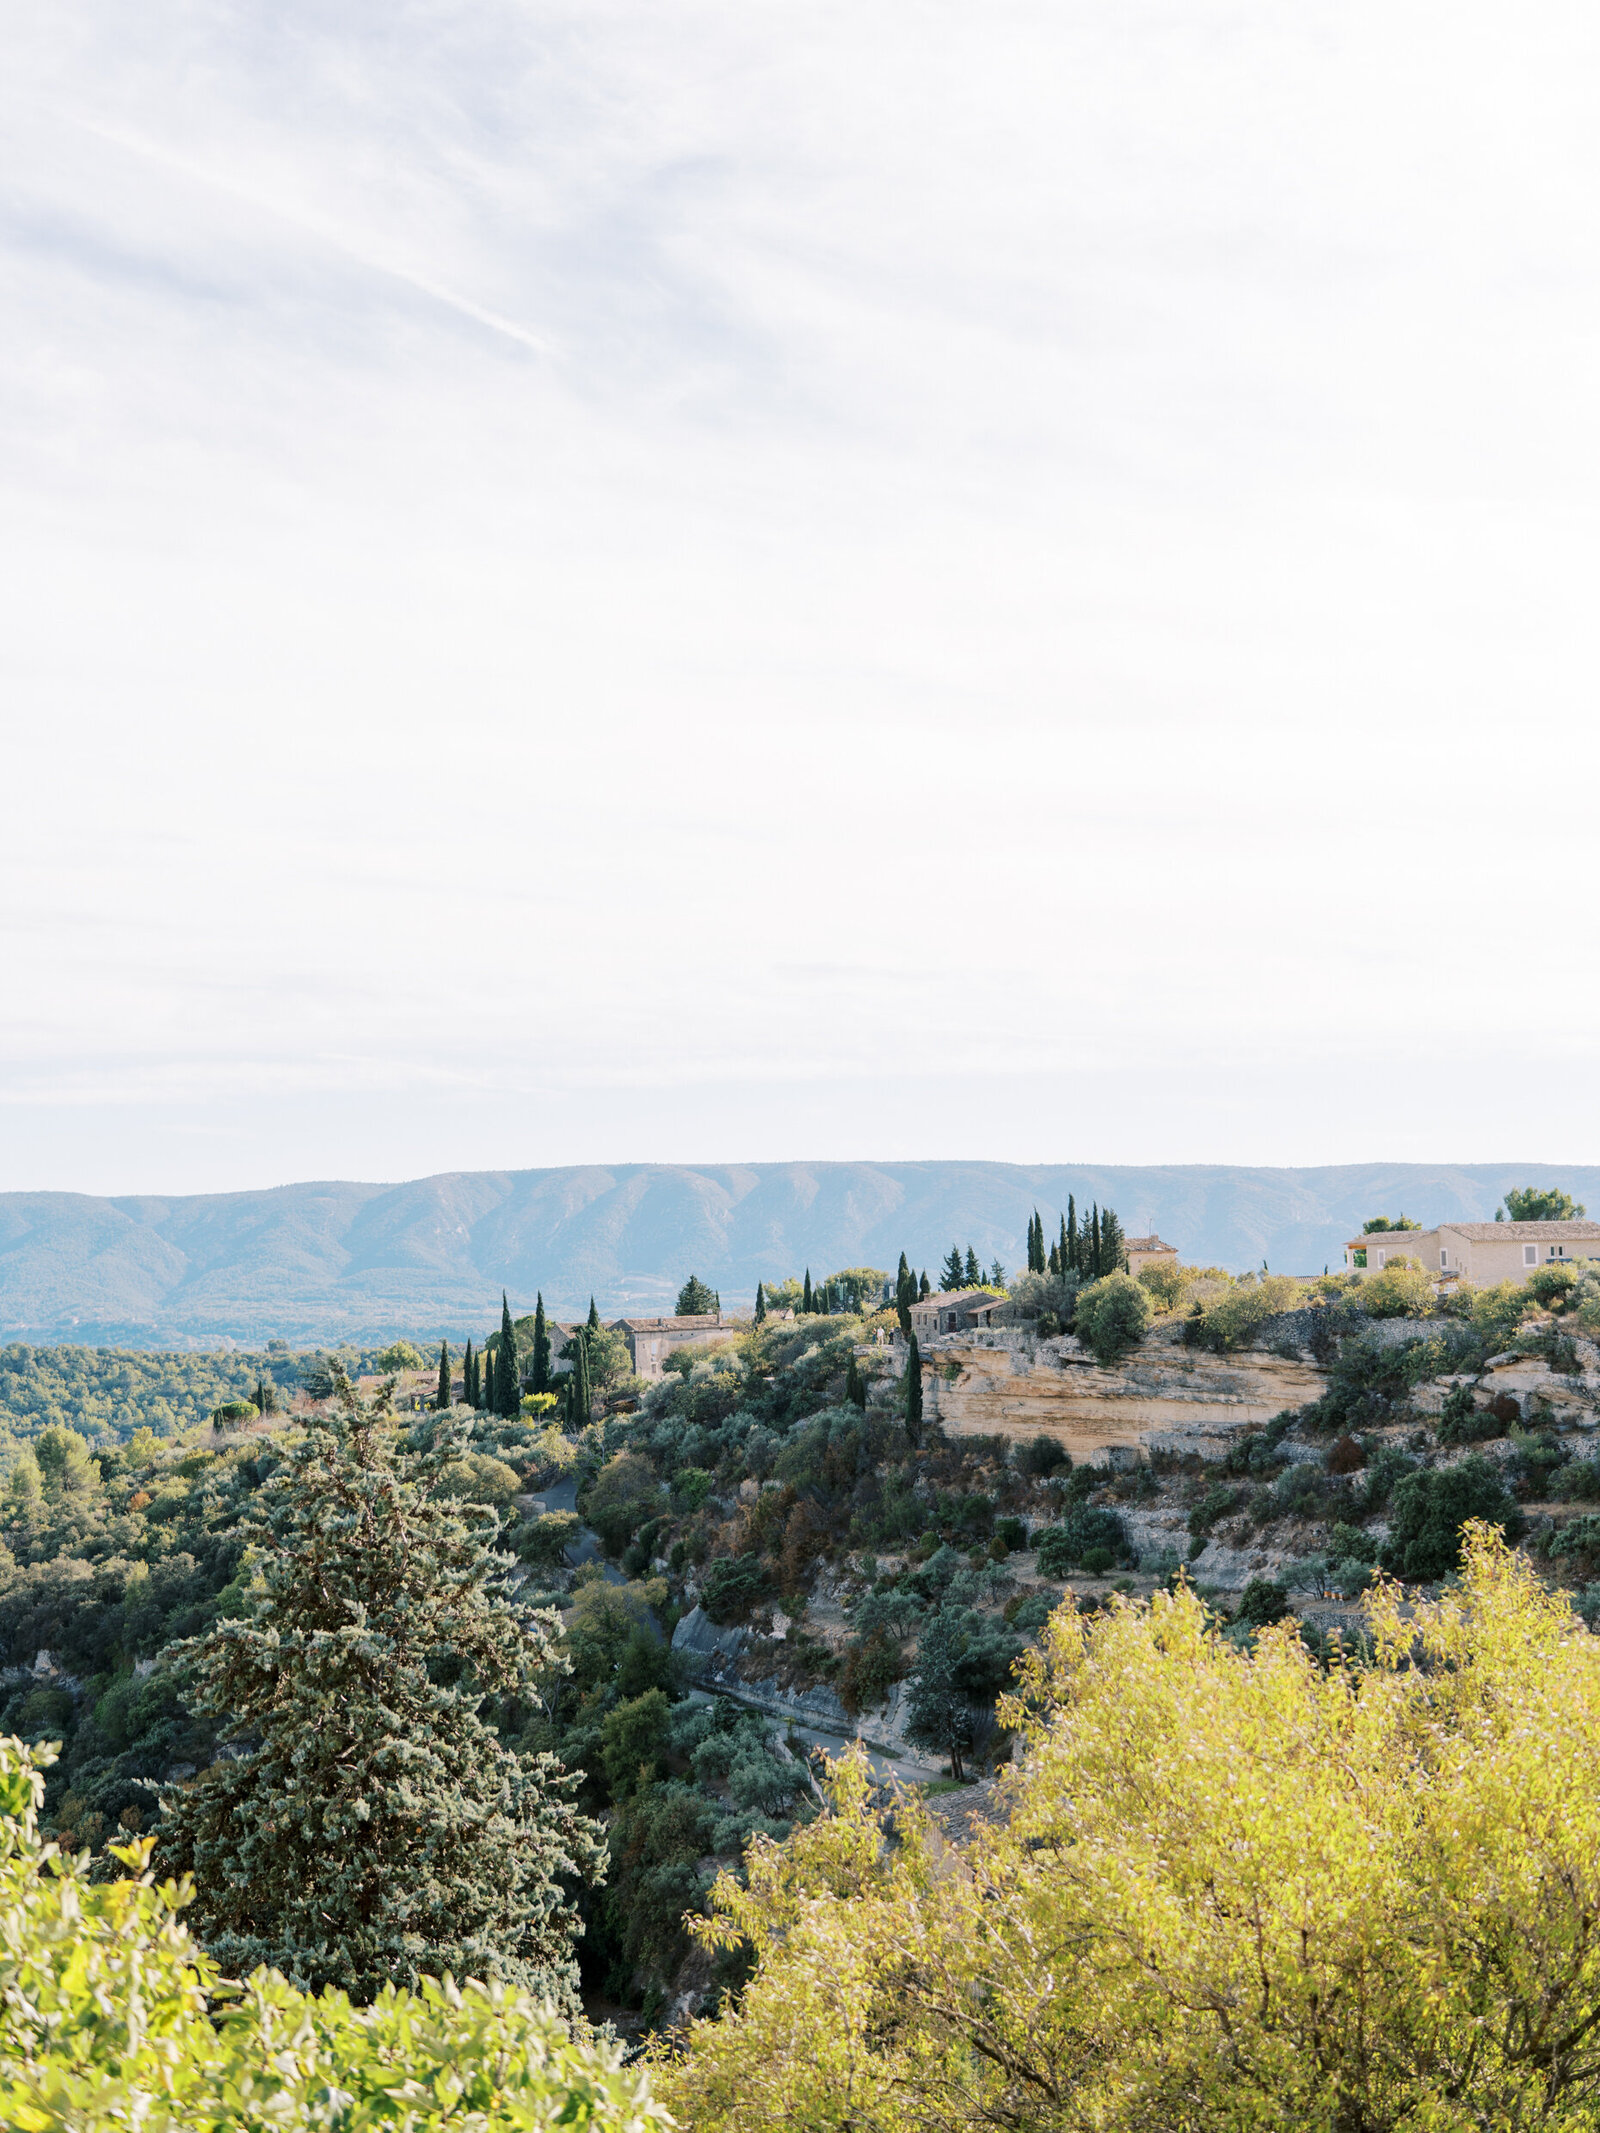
pixel 717 582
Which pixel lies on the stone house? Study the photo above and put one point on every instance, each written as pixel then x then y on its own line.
pixel 1480 1252
pixel 1149 1251
pixel 950 1311
pixel 651 1340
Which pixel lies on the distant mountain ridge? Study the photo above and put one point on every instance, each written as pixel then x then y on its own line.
pixel 324 1262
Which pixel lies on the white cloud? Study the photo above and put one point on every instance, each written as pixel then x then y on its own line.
pixel 703 563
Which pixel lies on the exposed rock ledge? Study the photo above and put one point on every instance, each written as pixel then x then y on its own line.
pixel 1166 1398
pixel 711 1660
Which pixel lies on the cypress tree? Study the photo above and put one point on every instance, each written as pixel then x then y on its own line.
pixel 592 1323
pixel 761 1304
pixel 374 1828
pixel 508 1382
pixel 1113 1252
pixel 1036 1243
pixel 855 1389
pixel 805 1297
pixel 1074 1243
pixel 1061 1247
pixel 1095 1268
pixel 925 1289
pixel 905 1294
pixel 972 1273
pixel 442 1397
pixel 950 1272
pixel 1055 1260
pixel 582 1396
pixel 541 1346
pixel 914 1391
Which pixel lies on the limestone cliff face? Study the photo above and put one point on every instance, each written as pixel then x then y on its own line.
pixel 1168 1397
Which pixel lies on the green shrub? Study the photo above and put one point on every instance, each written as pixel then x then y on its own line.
pixel 872 1665
pixel 1042 1456
pixel 633 1741
pixel 544 1541
pixel 400 1355
pixel 1082 1532
pixel 1233 1319
pixel 691 1485
pixel 113 2017
pixel 1462 1421
pixel 1112 1316
pixel 1430 1508
pixel 1032 1610
pixel 1403 1290
pixel 1261 1602
pixel 1012 1533
pixel 733 1585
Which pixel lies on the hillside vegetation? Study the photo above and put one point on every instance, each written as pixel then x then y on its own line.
pixel 324 1263
pixel 665 1589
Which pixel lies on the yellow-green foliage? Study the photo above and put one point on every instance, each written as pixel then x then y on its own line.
pixel 110 2018
pixel 1234 1891
pixel 1165 1282
pixel 1404 1289
pixel 1233 1319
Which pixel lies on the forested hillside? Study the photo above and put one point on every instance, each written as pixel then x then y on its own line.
pixel 316 1264
pixel 687 1594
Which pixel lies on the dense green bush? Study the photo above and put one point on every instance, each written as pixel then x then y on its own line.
pixel 111 2018
pixel 1233 1319
pixel 733 1585
pixel 1430 1508
pixel 1082 1532
pixel 1112 1315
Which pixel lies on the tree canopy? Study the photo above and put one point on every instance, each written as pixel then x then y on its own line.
pixel 113 2017
pixel 372 1827
pixel 1229 1887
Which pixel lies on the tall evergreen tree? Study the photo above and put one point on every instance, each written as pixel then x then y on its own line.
pixel 467 1388
pixel 1074 1241
pixel 924 1286
pixel 1054 1262
pixel 1063 1255
pixel 372 1826
pixel 580 1396
pixel 507 1377
pixel 855 1389
pixel 950 1272
pixel 905 1294
pixel 1095 1269
pixel 913 1391
pixel 541 1346
pixel 806 1304
pixel 1113 1249
pixel 971 1273
pixel 1036 1244
pixel 441 1399
pixel 940 1714
pixel 592 1322
pixel 761 1304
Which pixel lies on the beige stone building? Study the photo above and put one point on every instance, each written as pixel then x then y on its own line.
pixel 1148 1251
pixel 1480 1252
pixel 651 1340
pixel 950 1310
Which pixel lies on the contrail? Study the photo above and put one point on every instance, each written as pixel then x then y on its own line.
pixel 334 239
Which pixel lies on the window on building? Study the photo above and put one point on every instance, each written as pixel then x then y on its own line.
pixel 1444 1258
pixel 1530 1255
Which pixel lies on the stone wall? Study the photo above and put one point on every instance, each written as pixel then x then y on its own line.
pixel 1163 1397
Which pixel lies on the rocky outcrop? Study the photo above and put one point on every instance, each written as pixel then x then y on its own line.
pixel 1163 1397
pixel 716 1659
